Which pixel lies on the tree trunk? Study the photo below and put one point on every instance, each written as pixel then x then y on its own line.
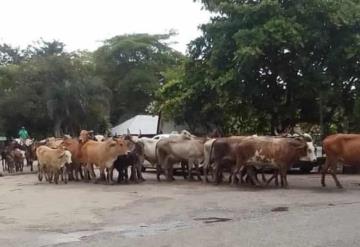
pixel 57 128
pixel 321 116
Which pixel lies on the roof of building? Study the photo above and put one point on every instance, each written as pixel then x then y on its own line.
pixel 147 124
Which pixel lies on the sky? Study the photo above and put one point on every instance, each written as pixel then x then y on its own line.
pixel 83 24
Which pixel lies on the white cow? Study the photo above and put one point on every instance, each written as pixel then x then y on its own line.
pixel 182 148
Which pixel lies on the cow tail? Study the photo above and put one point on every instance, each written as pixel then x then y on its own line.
pixel 208 162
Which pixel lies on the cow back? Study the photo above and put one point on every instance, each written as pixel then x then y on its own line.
pixel 343 147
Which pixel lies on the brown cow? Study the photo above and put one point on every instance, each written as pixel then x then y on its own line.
pixel 103 154
pixel 74 146
pixel 342 148
pixel 280 153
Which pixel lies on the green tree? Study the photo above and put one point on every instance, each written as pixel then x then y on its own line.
pixel 132 67
pixel 268 64
pixel 52 92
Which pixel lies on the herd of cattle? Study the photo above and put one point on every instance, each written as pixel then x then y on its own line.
pixel 243 157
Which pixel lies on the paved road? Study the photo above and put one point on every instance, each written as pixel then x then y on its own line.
pixel 179 214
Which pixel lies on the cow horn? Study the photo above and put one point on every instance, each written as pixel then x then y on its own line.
pixel 276 132
pixel 305 136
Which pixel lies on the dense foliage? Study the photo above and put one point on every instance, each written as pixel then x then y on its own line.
pixel 52 92
pixel 266 64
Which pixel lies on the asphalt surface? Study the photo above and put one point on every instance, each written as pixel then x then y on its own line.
pixel 181 213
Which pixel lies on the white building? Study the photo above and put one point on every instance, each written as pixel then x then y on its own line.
pixel 146 125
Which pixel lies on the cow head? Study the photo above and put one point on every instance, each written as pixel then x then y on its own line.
pixel 65 156
pixel 307 150
pixel 29 142
pixel 99 138
pixel 186 134
pixel 117 145
pixel 85 135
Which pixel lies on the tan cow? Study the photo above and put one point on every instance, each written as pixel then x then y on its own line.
pixel 103 154
pixel 51 162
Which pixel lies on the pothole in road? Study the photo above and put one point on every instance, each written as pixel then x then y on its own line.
pixel 280 209
pixel 210 220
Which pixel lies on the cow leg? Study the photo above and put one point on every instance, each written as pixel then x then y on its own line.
pixel 140 176
pixel 263 175
pixel 189 169
pixel 168 169
pixel 49 176
pixel 65 175
pixel 218 173
pixel 206 171
pixel 139 165
pixel 92 171
pixel 56 177
pixel 252 175
pixel 283 177
pixel 273 176
pixel 198 170
pixel 233 176
pixel 276 174
pixel 76 171
pixel 111 174
pixel 333 174
pixel 170 173
pixel 70 171
pixel 40 174
pixel 133 176
pixel 119 176
pixel 102 174
pixel 107 170
pixel 139 173
pixel 87 176
pixel 60 172
pixel 158 172
pixel 324 171
pixel 79 170
pixel 184 168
